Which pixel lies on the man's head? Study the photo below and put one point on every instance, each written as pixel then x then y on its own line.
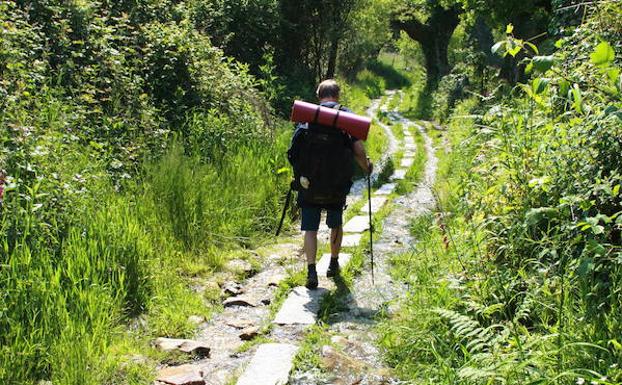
pixel 328 90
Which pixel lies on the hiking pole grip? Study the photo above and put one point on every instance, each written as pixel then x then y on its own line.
pixel 371 230
pixel 289 197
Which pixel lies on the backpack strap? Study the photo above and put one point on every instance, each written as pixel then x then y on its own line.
pixel 338 108
pixel 317 113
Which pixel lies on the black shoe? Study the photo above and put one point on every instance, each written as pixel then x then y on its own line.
pixel 312 280
pixel 333 269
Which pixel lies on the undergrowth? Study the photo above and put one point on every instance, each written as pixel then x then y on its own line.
pixel 515 278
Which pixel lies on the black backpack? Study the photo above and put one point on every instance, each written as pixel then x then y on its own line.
pixel 324 156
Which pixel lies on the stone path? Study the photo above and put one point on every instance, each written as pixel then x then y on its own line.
pixel 353 357
pixel 301 307
pixel 247 312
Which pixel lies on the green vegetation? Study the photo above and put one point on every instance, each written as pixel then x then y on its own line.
pixel 129 143
pixel 515 277
pixel 142 145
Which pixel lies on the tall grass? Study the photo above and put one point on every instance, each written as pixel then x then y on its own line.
pixel 70 288
pixel 60 307
pixel 220 203
pixel 502 264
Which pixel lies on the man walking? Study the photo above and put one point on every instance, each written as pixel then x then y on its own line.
pixel 331 153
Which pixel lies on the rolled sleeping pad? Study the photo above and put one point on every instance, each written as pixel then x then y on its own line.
pixel 355 125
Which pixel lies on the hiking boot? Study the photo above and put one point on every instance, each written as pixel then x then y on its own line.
pixel 312 281
pixel 333 268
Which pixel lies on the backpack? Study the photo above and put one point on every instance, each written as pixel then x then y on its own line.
pixel 324 156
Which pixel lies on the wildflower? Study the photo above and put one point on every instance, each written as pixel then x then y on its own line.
pixel 580 381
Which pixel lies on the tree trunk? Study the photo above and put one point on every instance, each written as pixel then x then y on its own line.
pixel 436 58
pixel 434 39
pixel 332 59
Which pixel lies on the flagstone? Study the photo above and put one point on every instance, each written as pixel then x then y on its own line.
pixel 376 205
pixel 241 300
pixel 399 174
pixel 358 224
pixel 181 375
pixel 183 345
pixel 407 162
pixel 300 307
pixel 386 189
pixel 270 365
pixel 351 240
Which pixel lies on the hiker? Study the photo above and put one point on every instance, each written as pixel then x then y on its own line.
pixel 322 157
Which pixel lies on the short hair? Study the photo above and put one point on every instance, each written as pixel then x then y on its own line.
pixel 328 89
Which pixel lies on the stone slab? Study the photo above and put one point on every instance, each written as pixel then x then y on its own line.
pixel 300 307
pixel 376 205
pixel 409 154
pixel 351 240
pixel 270 365
pixel 358 224
pixel 407 162
pixel 249 333
pixel 186 346
pixel 240 324
pixel 232 288
pixel 240 300
pixel 322 265
pixel 399 174
pixel 411 147
pixel 181 375
pixel 385 189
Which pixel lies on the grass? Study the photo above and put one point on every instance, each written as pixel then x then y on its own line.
pixel 377 143
pixel 470 315
pixel 414 174
pixel 413 338
pixel 126 259
pixel 100 258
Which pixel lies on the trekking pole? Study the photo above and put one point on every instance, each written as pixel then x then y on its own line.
pixel 289 197
pixel 371 230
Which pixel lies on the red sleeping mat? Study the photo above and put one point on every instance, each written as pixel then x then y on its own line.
pixel 355 125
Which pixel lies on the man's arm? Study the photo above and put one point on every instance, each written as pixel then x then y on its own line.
pixel 361 157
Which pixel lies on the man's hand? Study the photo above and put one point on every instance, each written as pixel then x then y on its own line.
pixel 370 166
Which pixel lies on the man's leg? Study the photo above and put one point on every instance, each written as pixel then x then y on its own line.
pixel 310 224
pixel 334 220
pixel 310 246
pixel 336 236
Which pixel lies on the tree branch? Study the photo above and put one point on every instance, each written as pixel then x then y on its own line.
pixel 413 27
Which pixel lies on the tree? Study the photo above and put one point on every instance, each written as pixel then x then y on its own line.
pixel 530 19
pixel 431 23
pixel 368 32
pixel 311 33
